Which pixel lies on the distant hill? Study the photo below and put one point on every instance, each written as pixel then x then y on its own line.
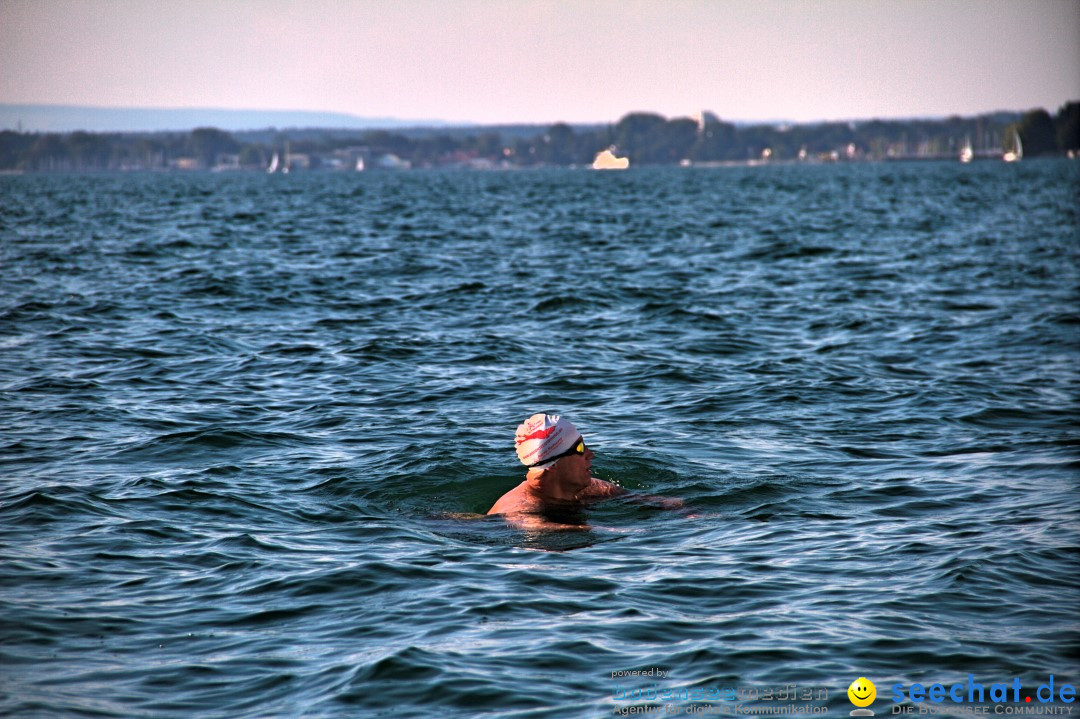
pixel 69 118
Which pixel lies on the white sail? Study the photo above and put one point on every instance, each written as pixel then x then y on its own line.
pixel 1017 152
pixel 966 153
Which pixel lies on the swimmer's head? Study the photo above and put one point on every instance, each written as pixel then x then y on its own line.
pixel 544 438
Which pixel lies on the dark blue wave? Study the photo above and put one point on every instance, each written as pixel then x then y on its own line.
pixel 251 425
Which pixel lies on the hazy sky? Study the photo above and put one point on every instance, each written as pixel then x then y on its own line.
pixel 546 60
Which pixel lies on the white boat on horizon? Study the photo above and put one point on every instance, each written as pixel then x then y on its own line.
pixel 606 160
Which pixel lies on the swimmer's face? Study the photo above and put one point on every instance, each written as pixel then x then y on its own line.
pixel 573 469
pixel 862 692
pixel 576 468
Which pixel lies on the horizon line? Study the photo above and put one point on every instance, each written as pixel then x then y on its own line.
pixel 420 123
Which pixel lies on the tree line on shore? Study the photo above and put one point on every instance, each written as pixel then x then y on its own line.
pixel 646 138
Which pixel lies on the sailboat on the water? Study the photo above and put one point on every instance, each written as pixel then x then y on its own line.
pixel 1017 151
pixel 279 164
pixel 966 153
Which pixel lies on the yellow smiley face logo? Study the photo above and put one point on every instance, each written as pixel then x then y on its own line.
pixel 862 692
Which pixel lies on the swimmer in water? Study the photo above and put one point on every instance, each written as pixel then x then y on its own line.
pixel 558 484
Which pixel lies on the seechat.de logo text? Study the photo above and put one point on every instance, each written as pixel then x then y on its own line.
pixel 1001 695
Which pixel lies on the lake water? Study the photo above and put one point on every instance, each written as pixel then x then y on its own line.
pixel 245 418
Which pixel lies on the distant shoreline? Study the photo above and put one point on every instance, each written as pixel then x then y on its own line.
pixel 645 138
pixel 725 165
pixel 66 118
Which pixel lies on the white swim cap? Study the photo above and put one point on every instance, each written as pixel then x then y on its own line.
pixel 542 436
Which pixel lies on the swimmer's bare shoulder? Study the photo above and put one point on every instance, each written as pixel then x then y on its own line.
pixel 522 510
pixel 519 499
pixel 516 500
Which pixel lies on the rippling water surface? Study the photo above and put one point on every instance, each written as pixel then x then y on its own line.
pixel 246 419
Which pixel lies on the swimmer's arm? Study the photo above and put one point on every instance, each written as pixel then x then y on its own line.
pixel 525 520
pixel 653 500
pixel 520 520
pixel 601 489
